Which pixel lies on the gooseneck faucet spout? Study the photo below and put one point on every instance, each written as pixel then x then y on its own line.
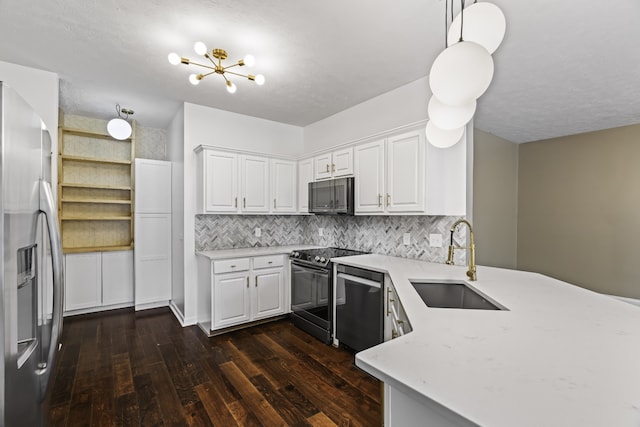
pixel 471 272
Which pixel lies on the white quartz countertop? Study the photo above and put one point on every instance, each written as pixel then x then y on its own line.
pixel 560 356
pixel 250 252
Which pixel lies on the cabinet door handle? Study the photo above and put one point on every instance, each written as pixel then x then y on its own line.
pixel 389 301
pixel 379 200
pixel 256 281
pixel 333 167
pixel 327 165
pixel 236 202
pixel 247 281
pixel 244 202
pixel 388 199
pixel 274 203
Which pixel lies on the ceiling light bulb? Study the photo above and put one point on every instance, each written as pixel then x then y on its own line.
pixel 194 80
pixel 231 88
pixel 174 58
pixel 200 48
pixel 249 60
pixel 119 128
pixel 448 117
pixel 442 138
pixel 259 79
pixel 484 23
pixel 461 73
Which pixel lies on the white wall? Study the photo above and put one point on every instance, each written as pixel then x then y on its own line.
pixel 175 153
pixel 40 89
pixel 399 107
pixel 209 126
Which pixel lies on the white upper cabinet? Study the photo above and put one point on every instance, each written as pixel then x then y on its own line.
pixel 369 173
pixel 334 164
pixel 255 184
pixel 405 172
pixel 305 176
pixel 217 182
pixel 447 180
pixel 283 185
pixel 389 175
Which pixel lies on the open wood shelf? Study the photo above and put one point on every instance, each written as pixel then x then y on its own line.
pixel 97 201
pixel 94 160
pixel 89 134
pixel 74 250
pixel 95 190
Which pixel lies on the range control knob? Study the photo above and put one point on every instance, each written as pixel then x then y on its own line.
pixel 317 258
pixel 323 260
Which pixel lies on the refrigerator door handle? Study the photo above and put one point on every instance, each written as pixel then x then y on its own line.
pixel 48 208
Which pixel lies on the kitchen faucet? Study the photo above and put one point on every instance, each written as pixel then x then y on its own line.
pixel 471 273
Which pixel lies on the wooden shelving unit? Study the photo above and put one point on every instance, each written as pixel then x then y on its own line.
pixel 95 191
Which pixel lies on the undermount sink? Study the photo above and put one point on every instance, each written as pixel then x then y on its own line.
pixel 453 295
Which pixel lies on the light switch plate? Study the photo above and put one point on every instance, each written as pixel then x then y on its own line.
pixel 406 238
pixel 321 232
pixel 435 240
pixel 258 232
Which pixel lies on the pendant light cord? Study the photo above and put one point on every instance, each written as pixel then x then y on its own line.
pixel 461 17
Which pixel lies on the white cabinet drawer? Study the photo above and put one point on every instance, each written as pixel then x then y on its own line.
pixel 231 265
pixel 268 261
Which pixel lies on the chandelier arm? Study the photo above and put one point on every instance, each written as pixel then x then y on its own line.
pixel 206 55
pixel 233 65
pixel 237 74
pixel 208 74
pixel 202 65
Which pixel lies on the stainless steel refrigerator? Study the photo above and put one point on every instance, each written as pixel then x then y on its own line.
pixel 32 279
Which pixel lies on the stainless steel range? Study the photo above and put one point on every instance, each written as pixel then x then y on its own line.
pixel 312 289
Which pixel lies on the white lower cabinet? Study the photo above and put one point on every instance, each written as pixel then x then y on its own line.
pixel 241 290
pixel 396 322
pixel 152 259
pixel 95 280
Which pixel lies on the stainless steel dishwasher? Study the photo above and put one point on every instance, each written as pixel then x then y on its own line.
pixel 359 307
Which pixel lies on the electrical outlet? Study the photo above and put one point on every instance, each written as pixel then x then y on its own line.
pixel 258 232
pixel 406 239
pixel 435 240
pixel 321 232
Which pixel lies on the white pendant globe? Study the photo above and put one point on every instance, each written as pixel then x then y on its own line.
pixel 461 73
pixel 484 23
pixel 442 138
pixel 447 117
pixel 119 128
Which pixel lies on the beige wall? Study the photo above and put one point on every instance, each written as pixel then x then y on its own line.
pixel 495 199
pixel 579 209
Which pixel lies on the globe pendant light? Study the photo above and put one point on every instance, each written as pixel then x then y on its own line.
pixel 484 23
pixel 442 138
pixel 118 127
pixel 449 78
pixel 447 117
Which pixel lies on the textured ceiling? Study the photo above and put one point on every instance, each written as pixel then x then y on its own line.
pixel 564 67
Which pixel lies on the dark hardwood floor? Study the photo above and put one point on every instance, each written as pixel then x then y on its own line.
pixel 123 368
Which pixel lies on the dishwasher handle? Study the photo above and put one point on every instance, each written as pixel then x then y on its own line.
pixel 360 280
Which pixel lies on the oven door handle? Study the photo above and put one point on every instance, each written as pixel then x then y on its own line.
pixel 309 267
pixel 360 280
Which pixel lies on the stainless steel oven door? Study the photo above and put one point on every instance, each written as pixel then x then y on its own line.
pixel 310 297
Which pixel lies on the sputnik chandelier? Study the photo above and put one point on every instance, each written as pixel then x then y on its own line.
pixel 463 71
pixel 216 56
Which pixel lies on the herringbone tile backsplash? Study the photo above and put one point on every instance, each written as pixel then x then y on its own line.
pixel 376 234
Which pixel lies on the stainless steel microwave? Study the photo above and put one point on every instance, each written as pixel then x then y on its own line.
pixel 331 197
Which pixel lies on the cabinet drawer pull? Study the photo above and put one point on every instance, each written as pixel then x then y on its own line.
pixel 233 266
pixel 270 262
pixel 379 200
pixel 389 301
pixel 388 199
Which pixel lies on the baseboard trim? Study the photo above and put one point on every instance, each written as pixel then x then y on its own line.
pixel 177 313
pixel 97 309
pixel 150 305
